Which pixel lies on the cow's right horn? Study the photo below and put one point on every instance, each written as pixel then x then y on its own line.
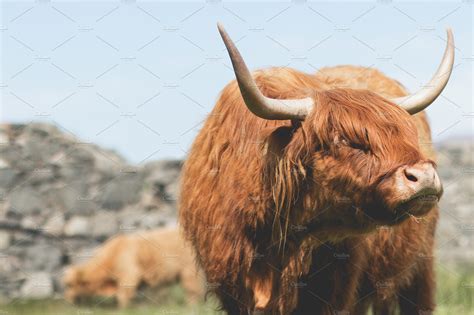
pixel 262 106
pixel 418 101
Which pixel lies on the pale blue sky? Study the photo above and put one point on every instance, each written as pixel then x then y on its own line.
pixel 140 77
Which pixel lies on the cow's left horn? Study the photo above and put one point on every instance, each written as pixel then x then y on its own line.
pixel 418 101
pixel 262 106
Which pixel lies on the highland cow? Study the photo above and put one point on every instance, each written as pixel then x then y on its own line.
pixel 316 194
pixel 126 261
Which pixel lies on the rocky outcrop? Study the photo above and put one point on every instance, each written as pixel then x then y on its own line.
pixel 60 197
pixel 455 237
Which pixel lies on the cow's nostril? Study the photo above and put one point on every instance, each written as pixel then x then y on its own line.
pixel 410 176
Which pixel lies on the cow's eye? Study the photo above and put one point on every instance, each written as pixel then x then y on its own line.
pixel 358 146
pixel 352 145
pixel 339 140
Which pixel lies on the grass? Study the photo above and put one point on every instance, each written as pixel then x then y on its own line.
pixel 164 302
pixel 57 307
pixel 455 296
pixel 455 290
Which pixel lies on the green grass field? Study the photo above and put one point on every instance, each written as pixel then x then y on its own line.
pixel 455 297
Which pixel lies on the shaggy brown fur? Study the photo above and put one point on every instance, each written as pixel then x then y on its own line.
pixel 128 260
pixel 290 217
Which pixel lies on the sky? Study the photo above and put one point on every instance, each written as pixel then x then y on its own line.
pixel 140 77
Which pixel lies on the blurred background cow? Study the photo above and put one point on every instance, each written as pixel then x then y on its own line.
pixel 126 261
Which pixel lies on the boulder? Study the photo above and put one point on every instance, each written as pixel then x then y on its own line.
pixel 83 254
pixel 78 226
pixel 37 285
pixel 32 222
pixel 42 256
pixel 25 200
pixel 121 191
pixel 161 183
pixel 71 199
pixel 163 172
pixel 41 176
pixel 7 177
pixel 5 240
pixel 54 225
pixel 137 218
pixel 104 225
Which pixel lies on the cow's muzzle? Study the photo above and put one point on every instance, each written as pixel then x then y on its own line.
pixel 417 188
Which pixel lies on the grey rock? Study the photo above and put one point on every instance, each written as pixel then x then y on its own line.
pixel 41 175
pixel 83 254
pixel 121 191
pixel 54 224
pixel 104 224
pixel 66 198
pixel 72 170
pixel 73 249
pixel 4 135
pixel 7 177
pixel 77 226
pixel 162 179
pixel 172 192
pixel 9 264
pixel 42 256
pixel 41 141
pixel 13 155
pixel 5 239
pixel 38 285
pixel 129 219
pixel 26 201
pixel 11 281
pixel 32 222
pixel 75 199
pixel 21 240
pixel 106 163
pixel 164 172
pixel 137 218
pixel 4 163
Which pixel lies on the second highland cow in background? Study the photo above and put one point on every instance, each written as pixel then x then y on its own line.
pixel 124 262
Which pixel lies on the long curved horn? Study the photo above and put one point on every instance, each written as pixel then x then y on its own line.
pixel 262 106
pixel 418 101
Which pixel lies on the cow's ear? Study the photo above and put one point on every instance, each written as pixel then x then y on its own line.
pixel 109 287
pixel 275 140
pixel 274 158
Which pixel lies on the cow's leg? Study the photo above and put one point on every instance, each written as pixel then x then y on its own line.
pixel 193 284
pixel 127 289
pixel 418 297
pixel 365 298
pixel 124 295
pixel 384 308
pixel 362 308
